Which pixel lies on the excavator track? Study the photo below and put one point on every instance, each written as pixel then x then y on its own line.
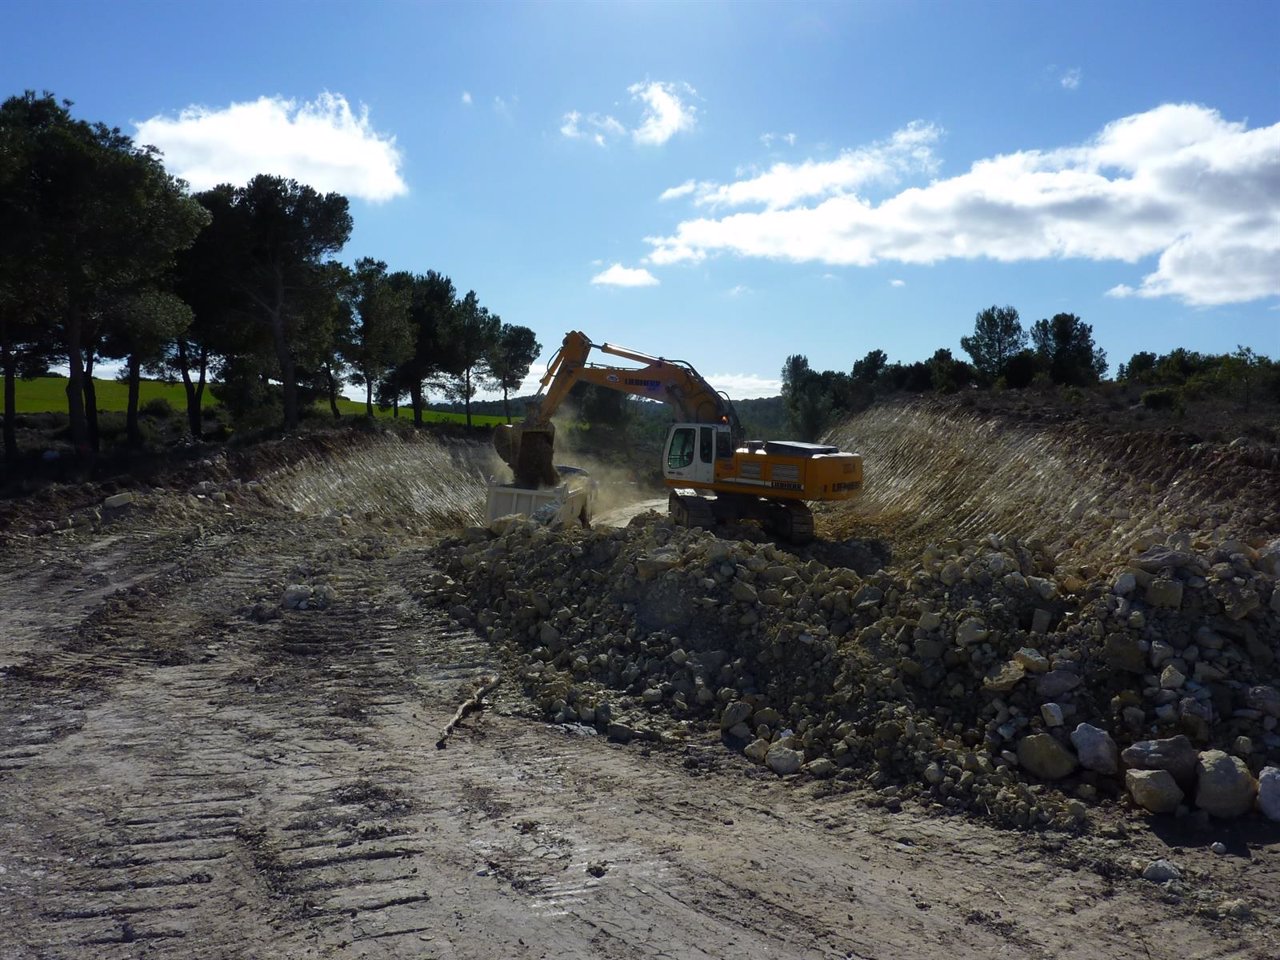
pixel 791 521
pixel 690 510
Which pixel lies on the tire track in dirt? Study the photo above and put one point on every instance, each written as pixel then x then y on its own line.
pixel 217 780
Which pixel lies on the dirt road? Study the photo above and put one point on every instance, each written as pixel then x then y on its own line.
pixel 188 770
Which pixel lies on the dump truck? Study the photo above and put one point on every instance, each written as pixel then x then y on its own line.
pixel 714 473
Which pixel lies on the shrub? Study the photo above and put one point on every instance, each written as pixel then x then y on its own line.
pixel 1162 398
pixel 158 407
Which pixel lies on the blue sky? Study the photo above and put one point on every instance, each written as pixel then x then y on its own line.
pixel 730 183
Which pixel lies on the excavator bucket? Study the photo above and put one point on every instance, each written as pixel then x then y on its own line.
pixel 533 466
pixel 528 452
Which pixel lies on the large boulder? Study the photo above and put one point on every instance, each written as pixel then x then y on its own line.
pixel 1177 755
pixel 1224 785
pixel 1043 756
pixel 1154 790
pixel 1095 748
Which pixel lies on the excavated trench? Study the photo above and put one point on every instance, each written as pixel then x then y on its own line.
pixel 220 703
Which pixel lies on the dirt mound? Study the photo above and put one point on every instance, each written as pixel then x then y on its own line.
pixel 1051 597
pixel 1089 494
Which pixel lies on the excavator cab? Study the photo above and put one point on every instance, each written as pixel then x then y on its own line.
pixel 692 451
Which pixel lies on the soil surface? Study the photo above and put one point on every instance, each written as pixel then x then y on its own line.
pixel 187 769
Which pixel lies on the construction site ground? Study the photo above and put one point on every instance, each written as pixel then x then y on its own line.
pixel 189 770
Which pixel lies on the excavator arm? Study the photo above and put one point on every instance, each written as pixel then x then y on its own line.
pixel 527 447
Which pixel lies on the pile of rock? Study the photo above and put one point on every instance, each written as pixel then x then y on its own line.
pixel 974 677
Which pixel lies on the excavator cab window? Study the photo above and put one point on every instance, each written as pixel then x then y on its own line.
pixel 680 454
pixel 705 444
pixel 724 444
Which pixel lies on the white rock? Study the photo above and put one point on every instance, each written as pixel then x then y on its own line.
pixel 971 631
pixel 1052 714
pixel 782 760
pixel 1033 661
pixel 1095 749
pixel 118 501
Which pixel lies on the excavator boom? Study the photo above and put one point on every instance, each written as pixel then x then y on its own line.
pixel 527 447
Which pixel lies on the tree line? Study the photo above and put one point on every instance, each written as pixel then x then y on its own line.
pixel 1059 350
pixel 104 256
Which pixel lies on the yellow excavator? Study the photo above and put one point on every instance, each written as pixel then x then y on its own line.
pixel 713 472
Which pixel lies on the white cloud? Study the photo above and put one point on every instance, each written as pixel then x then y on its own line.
pixel 897 283
pixel 909 150
pixel 768 138
pixel 620 276
pixel 745 386
pixel 739 290
pixel 1177 182
pixel 323 143
pixel 665 113
pixel 675 193
pixel 466 98
pixel 1070 79
pixel 597 128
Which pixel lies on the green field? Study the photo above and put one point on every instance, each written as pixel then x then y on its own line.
pixel 49 395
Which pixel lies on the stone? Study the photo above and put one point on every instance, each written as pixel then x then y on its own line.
pixel 822 767
pixel 1005 678
pixel 1165 593
pixel 735 713
pixel 1161 653
pixel 1171 678
pixel 1265 699
pixel 1052 714
pixel 1269 793
pixel 1161 558
pixel 1177 755
pixel 620 732
pixel 1125 584
pixel 743 592
pixel 1154 790
pixel 971 631
pixel 653 566
pixel 1040 621
pixel 1161 871
pixel 1044 757
pixel 295 595
pixel 118 501
pixel 756 750
pixel 783 760
pixel 1032 661
pixel 1057 682
pixel 929 621
pixel 1095 749
pixel 1224 786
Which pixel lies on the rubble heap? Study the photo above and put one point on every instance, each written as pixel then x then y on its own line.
pixel 977 676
